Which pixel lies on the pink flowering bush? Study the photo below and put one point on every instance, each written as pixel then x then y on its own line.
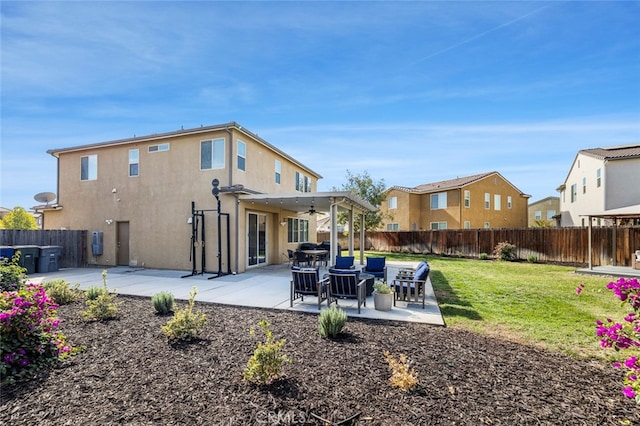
pixel 624 334
pixel 29 340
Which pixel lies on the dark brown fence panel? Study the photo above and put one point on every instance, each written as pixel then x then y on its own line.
pixel 562 245
pixel 73 243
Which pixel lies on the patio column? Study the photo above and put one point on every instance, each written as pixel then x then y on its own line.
pixel 362 237
pixel 351 230
pixel 333 231
pixel 589 237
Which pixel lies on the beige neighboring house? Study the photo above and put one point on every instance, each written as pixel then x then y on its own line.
pixel 484 200
pixel 148 201
pixel 544 212
pixel 601 181
pixel 323 221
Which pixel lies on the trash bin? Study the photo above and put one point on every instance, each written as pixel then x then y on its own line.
pixel 28 257
pixel 6 252
pixel 48 260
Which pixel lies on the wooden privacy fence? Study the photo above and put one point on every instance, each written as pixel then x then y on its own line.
pixel 73 243
pixel 562 245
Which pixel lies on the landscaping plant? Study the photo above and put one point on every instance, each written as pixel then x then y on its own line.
pixel 625 334
pixel 12 275
pixel 93 292
pixel 185 324
pixel 331 321
pixel 402 375
pixel 505 251
pixel 162 302
pixel 29 339
pixel 104 306
pixel 60 291
pixel 265 365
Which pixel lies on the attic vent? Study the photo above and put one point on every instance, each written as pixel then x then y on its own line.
pixel 158 148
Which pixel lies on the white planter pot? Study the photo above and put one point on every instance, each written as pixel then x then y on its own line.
pixel 382 302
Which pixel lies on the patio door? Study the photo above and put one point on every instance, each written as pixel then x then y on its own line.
pixel 256 239
pixel 122 243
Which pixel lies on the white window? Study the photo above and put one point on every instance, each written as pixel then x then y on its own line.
pixel 551 214
pixel 574 192
pixel 584 185
pixel 467 224
pixel 158 148
pixel 242 155
pixel 439 201
pixel 392 227
pixel 303 183
pixel 134 162
pixel 89 167
pixel 297 230
pixel 487 200
pixel 278 171
pixel 212 154
pixel 393 203
pixel 497 202
pixel 538 215
pixel 467 198
pixel 509 203
pixel 598 178
pixel 487 225
pixel 438 225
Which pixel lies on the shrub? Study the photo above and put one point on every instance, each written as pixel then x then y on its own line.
pixel 265 365
pixel 12 275
pixel 331 321
pixel 382 287
pixel 505 251
pixel 402 376
pixel 104 306
pixel 185 324
pixel 483 256
pixel 93 292
pixel 162 302
pixel 29 341
pixel 60 291
pixel 532 258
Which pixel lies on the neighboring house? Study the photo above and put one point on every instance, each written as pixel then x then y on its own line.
pixel 148 201
pixel 485 200
pixel 600 180
pixel 323 221
pixel 544 212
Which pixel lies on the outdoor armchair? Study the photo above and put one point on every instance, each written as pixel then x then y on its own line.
pixel 377 267
pixel 345 285
pixel 410 284
pixel 344 262
pixel 307 282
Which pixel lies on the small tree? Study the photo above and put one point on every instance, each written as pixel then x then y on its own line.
pixel 373 192
pixel 19 218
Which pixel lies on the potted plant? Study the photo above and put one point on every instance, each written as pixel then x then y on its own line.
pixel 382 296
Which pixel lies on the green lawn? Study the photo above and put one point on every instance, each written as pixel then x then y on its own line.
pixel 531 303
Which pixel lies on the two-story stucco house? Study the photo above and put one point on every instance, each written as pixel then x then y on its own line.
pixel 148 201
pixel 544 212
pixel 600 180
pixel 485 200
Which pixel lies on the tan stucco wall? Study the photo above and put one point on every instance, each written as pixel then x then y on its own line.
pixel 157 203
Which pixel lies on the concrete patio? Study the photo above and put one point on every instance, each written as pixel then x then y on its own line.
pixel 264 287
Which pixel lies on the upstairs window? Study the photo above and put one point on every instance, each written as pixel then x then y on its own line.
pixel 242 156
pixel 89 167
pixel 538 215
pixel 134 161
pixel 467 198
pixel 584 185
pixel 439 201
pixel 497 202
pixel 550 214
pixel 509 203
pixel 278 171
pixel 212 154
pixel 487 200
pixel 303 183
pixel 574 192
pixel 393 203
pixel 598 178
pixel 159 148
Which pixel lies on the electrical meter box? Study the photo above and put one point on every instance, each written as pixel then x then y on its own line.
pixel 96 243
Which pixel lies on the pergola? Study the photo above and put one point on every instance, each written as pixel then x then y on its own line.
pixel 629 212
pixel 331 202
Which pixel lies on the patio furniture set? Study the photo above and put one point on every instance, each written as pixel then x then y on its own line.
pixel 345 281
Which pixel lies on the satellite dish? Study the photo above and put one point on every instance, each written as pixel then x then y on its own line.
pixel 44 197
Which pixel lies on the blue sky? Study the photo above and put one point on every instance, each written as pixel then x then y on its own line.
pixel 412 92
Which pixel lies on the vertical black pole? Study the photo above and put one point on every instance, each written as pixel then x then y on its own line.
pixel 228 246
pixel 194 237
pixel 219 237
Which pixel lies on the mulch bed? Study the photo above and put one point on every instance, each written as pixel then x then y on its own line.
pixel 130 375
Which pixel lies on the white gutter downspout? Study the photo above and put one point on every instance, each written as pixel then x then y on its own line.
pixel 237 200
